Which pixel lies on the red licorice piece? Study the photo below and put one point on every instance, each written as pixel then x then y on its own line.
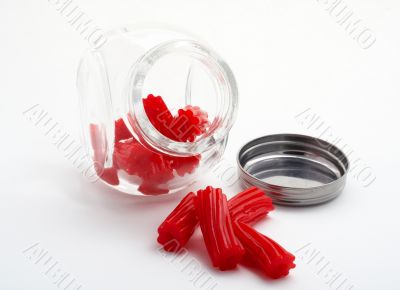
pixel 222 245
pixel 155 176
pixel 135 159
pixel 159 115
pixel 190 122
pixel 151 167
pixel 179 226
pixel 131 156
pixel 226 240
pixel 97 137
pixel 121 131
pixel 250 205
pixel 154 169
pixel 150 188
pixel 109 175
pixel 263 252
pixel 184 165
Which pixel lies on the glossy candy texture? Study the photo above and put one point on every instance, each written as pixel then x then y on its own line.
pixel 190 122
pixel 109 175
pixel 153 168
pixel 121 131
pixel 159 115
pixel 179 226
pixel 184 165
pixel 250 205
pixel 263 252
pixel 226 236
pixel 222 245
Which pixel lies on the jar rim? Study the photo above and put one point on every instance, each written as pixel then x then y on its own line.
pixel 227 94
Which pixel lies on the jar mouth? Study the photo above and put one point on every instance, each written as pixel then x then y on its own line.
pixel 226 92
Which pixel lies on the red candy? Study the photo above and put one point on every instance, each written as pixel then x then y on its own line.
pixel 154 169
pixel 155 175
pixel 179 226
pixel 109 175
pixel 121 131
pixel 151 167
pixel 184 165
pixel 226 234
pixel 190 123
pixel 131 156
pixel 250 205
pixel 222 245
pixel 263 252
pixel 159 115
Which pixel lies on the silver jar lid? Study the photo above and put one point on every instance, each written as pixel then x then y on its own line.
pixel 295 170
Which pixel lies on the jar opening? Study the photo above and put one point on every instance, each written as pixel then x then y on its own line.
pixel 225 97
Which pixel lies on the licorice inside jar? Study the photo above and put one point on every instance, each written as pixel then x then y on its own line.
pixel 157 106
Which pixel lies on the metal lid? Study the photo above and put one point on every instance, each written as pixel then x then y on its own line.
pixel 295 170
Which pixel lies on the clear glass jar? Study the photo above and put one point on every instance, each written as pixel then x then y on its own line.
pixel 129 150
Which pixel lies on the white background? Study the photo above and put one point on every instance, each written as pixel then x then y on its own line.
pixel 287 56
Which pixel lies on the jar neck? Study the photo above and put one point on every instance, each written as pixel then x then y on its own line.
pixel 226 94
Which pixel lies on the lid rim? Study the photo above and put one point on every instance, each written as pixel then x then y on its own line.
pixel 312 147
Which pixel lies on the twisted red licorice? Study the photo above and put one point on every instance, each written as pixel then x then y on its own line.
pixel 180 224
pixel 250 205
pixel 216 225
pixel 227 235
pixel 263 252
pixel 153 168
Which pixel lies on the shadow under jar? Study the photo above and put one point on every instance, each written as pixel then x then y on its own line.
pixel 157 106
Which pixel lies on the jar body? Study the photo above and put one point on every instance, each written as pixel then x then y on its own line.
pixel 146 144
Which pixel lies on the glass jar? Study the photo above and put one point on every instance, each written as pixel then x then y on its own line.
pixel 157 106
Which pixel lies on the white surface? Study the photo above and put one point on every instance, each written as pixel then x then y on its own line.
pixel 287 56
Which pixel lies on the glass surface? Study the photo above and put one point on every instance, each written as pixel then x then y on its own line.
pixel 144 152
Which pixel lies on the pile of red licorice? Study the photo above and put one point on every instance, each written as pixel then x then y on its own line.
pixel 225 225
pixel 153 168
